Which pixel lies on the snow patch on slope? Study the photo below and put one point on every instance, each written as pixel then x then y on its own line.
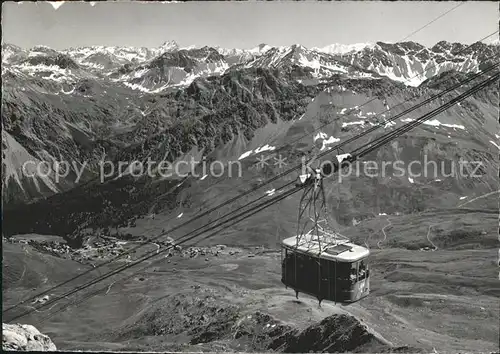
pixel 56 4
pixel 325 140
pixel 436 123
pixel 257 151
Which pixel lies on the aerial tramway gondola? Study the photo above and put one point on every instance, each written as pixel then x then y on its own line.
pixel 318 261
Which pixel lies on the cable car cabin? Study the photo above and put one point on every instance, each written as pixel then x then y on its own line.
pixel 339 273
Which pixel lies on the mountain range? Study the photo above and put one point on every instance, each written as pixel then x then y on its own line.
pixel 156 69
pixel 89 103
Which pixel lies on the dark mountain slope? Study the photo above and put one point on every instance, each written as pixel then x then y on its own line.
pixel 463 132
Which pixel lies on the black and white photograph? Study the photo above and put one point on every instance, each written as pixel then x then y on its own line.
pixel 251 176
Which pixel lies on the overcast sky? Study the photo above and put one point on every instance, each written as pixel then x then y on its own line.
pixel 243 24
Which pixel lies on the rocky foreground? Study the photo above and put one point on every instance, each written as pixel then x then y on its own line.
pixel 25 337
pixel 337 333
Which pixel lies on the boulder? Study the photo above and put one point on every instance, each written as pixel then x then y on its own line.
pixel 25 338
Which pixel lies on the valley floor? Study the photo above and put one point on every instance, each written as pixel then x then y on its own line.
pixel 442 300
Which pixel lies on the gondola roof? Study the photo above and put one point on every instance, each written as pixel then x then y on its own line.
pixel 331 248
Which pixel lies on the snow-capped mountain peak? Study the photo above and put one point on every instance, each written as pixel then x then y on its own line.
pixel 168 46
pixel 260 49
pixel 344 48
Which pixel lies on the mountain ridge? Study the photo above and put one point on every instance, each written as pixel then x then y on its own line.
pixel 77 104
pixel 385 59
